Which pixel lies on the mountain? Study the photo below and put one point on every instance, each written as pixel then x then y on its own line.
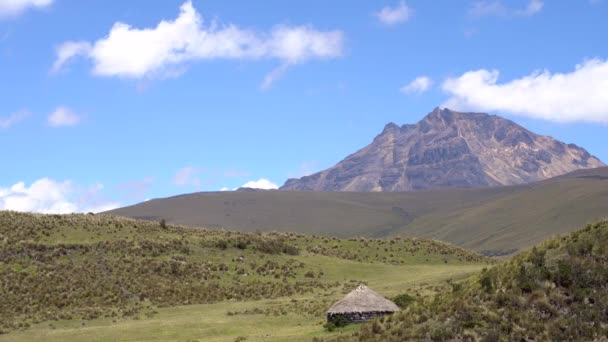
pixel 449 149
pixel 491 220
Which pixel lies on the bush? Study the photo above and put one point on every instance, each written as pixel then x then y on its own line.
pixel 403 300
pixel 291 250
pixel 486 282
pixel 241 244
pixel 269 246
pixel 221 244
pixel 329 326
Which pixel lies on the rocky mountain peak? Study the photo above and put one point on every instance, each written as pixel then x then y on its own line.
pixel 449 149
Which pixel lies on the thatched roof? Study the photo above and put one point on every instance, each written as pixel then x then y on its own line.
pixel 362 299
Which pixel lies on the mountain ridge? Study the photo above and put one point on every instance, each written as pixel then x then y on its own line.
pixel 449 149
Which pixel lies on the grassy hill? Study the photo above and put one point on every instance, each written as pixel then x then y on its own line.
pixel 554 292
pixel 494 221
pixel 98 278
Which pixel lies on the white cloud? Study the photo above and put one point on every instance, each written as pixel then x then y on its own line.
pixel 534 6
pixel 10 8
pixel 67 50
pixel 394 15
pixel 579 95
pixel 63 116
pixel 418 85
pixel 187 176
pixel 6 122
pixel 498 8
pixel 49 196
pixel 160 51
pixel 261 183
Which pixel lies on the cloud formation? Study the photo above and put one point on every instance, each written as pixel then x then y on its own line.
pixel 51 197
pixel 11 8
pixel 579 95
pixel 498 8
pixel 261 183
pixel 67 51
pixel 418 85
pixel 8 121
pixel 160 51
pixel 63 116
pixel 394 15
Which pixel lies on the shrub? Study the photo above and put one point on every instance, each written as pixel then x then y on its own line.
pixel 241 244
pixel 221 244
pixel 269 246
pixel 291 250
pixel 329 326
pixel 486 282
pixel 403 300
pixel 340 321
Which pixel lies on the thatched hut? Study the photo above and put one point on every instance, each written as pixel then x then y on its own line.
pixel 360 305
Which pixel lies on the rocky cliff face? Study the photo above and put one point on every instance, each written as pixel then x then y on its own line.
pixel 449 149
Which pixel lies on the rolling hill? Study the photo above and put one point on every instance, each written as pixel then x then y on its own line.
pixel 496 220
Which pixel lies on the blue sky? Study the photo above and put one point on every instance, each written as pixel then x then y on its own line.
pixel 108 103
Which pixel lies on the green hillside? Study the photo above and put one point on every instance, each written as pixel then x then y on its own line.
pixel 494 221
pixel 98 277
pixel 554 292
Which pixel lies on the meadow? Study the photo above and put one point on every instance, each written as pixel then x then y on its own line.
pixel 99 278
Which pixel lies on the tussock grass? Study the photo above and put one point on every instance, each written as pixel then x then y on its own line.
pixel 557 291
pixel 86 267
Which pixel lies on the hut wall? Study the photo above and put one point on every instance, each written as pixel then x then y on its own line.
pixel 355 317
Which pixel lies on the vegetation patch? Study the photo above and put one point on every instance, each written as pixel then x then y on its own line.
pixel 554 292
pixel 86 267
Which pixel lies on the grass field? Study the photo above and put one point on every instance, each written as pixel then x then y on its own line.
pixel 493 221
pixel 103 278
pixel 210 322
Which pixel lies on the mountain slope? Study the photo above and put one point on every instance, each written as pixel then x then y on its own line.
pixel 449 149
pixel 555 292
pixel 495 220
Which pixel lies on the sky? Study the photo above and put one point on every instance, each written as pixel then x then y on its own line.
pixel 110 103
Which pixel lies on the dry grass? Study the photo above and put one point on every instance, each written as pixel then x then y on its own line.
pixel 554 292
pixel 88 267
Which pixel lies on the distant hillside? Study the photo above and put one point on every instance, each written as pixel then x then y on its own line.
pixel 494 220
pixel 449 149
pixel 555 292
pixel 84 267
